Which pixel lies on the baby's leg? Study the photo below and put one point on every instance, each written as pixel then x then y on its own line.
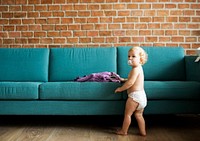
pixel 129 109
pixel 141 122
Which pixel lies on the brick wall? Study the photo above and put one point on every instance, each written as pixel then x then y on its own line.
pixel 89 23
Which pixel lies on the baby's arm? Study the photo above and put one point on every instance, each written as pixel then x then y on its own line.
pixel 130 81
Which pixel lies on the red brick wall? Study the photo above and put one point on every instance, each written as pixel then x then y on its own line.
pixel 88 23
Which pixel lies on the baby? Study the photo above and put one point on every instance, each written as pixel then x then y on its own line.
pixel 134 85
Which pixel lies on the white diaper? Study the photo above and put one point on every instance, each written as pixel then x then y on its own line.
pixel 140 97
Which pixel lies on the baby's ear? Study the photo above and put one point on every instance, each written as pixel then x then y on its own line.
pixel 141 61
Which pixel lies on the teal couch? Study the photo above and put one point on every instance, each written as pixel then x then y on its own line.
pixel 40 81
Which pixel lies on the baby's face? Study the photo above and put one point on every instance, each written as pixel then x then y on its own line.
pixel 134 58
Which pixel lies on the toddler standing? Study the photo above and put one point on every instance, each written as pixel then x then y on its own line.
pixel 134 85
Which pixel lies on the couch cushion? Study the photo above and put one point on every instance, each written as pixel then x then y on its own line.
pixel 192 68
pixel 164 63
pixel 68 63
pixel 24 64
pixel 19 90
pixel 79 91
pixel 172 90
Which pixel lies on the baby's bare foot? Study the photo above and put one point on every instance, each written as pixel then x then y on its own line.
pixel 143 133
pixel 121 132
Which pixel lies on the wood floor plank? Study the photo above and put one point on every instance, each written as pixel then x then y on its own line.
pixel 12 133
pixel 35 133
pixel 78 128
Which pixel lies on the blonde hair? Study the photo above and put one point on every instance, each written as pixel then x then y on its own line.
pixel 142 53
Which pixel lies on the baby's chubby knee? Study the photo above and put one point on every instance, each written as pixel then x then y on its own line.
pixel 138 115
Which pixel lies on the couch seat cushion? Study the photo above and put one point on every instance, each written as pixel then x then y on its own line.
pixel 172 90
pixel 19 90
pixel 79 91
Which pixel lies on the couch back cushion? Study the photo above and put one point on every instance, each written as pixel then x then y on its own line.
pixel 192 68
pixel 66 64
pixel 164 63
pixel 24 64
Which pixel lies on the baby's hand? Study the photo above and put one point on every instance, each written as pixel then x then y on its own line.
pixel 117 90
pixel 123 79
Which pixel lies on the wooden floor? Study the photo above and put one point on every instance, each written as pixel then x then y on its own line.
pixel 97 128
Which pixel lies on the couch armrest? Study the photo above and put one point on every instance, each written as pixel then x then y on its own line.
pixel 192 68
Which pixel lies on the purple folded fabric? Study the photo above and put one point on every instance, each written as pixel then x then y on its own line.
pixel 100 77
